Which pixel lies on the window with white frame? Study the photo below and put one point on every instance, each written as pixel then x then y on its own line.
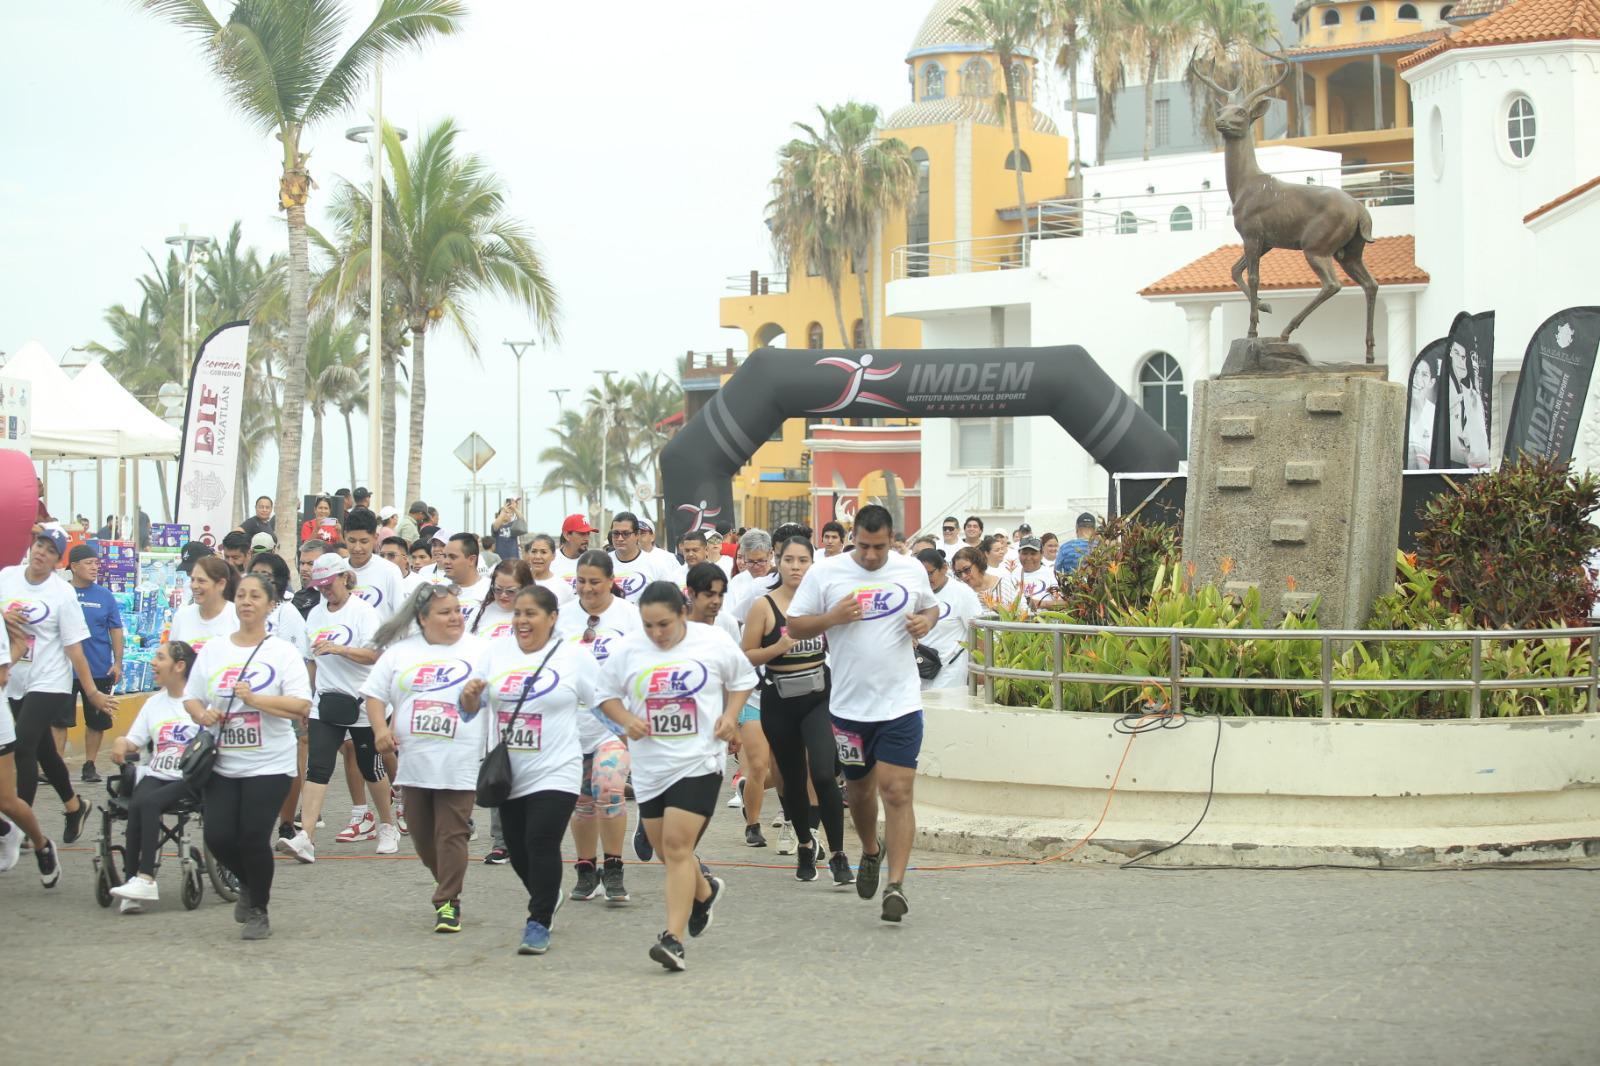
pixel 978 448
pixel 1520 126
pixel 933 81
pixel 1161 396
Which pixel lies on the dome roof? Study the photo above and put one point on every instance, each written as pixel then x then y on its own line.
pixel 955 108
pixel 936 31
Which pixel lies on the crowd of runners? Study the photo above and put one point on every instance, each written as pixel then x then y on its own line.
pixel 597 674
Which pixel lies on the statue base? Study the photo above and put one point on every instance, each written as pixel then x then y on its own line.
pixel 1259 356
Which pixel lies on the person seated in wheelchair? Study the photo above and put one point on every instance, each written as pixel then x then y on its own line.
pixel 161 731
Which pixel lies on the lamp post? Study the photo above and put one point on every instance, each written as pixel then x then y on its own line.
pixel 561 412
pixel 517 348
pixel 190 244
pixel 605 440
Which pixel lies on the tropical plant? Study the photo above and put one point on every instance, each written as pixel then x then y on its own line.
pixel 280 64
pixel 1108 65
pixel 574 462
pixel 801 216
pixel 1120 569
pixel 335 372
pixel 1065 26
pixel 653 399
pixel 1155 31
pixel 1227 37
pixel 1009 27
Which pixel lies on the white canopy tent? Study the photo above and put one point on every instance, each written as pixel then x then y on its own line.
pixel 140 433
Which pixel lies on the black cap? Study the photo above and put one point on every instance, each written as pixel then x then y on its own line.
pixel 192 553
pixel 1085 519
pixel 363 493
pixel 1024 528
pixel 80 552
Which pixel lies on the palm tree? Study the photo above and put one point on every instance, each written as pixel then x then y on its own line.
pixel 803 216
pixel 875 176
pixel 1065 24
pixel 653 398
pixel 1009 27
pixel 1108 65
pixel 335 367
pixel 280 64
pixel 1156 30
pixel 574 462
pixel 1228 35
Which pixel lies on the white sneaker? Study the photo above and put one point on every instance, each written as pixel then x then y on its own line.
pixel 10 848
pixel 737 799
pixel 300 846
pixel 388 839
pixel 785 839
pixel 131 906
pixel 472 824
pixel 137 888
pixel 362 828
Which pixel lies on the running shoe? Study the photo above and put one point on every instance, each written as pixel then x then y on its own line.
pixel 10 847
pixel 700 913
pixel 839 866
pixel 754 839
pixel 256 926
pixel 286 830
pixel 447 917
pixel 867 873
pixel 560 899
pixel 299 846
pixel 535 939
pixel 641 844
pixel 398 798
pixel 588 886
pixel 472 829
pixel 668 951
pixel 805 866
pixel 75 820
pixel 364 827
pixel 786 839
pixel 388 839
pixel 89 776
pixel 894 903
pixel 611 878
pixel 137 888
pixel 497 857
pixel 737 799
pixel 49 865
pixel 130 906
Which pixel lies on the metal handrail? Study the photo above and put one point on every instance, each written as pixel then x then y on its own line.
pixel 983 630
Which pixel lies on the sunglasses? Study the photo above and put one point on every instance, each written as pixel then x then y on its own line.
pixel 615 533
pixel 589 634
pixel 500 591
pixel 963 571
pixel 949 529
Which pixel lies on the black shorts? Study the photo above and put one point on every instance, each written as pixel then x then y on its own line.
pixel 325 742
pixel 92 718
pixel 697 795
pixel 59 708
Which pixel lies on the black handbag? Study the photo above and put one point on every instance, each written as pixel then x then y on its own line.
pixel 929 662
pixel 199 756
pixel 337 708
pixel 494 773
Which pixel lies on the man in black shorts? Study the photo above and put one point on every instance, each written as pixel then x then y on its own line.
pixel 103 649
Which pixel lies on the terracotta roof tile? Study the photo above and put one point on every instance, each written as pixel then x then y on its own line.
pixel 1472 9
pixel 1521 22
pixel 1415 40
pixel 1392 260
pixel 1570 194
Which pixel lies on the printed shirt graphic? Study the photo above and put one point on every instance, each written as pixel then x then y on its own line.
pixel 351 626
pixel 187 625
pixel 618 621
pixel 544 746
pixel 471 598
pixel 958 606
pixel 52 621
pixel 159 733
pixel 680 692
pixel 561 586
pixel 440 745
pixel 493 623
pixel 378 586
pixel 285 622
pixel 632 577
pixel 251 743
pixel 874 672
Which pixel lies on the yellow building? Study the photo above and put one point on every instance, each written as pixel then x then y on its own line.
pixel 964 215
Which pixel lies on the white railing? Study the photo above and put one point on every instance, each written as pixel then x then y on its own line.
pixel 1006 251
pixel 961 505
pixel 1000 489
pixel 758 283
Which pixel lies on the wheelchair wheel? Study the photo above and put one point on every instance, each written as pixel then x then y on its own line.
pixel 222 880
pixel 102 887
pixel 194 887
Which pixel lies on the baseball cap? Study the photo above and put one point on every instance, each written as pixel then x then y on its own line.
pixel 328 566
pixel 418 507
pixel 1024 528
pixel 646 526
pixel 388 511
pixel 80 552
pixel 576 523
pixel 1086 519
pixel 1029 544
pixel 263 542
pixel 54 537
pixel 193 552
pixel 362 493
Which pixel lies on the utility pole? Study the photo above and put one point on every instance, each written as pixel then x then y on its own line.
pixel 561 410
pixel 605 440
pixel 517 348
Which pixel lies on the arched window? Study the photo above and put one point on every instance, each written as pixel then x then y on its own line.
pixel 1161 396
pixel 1368 13
pixel 932 81
pixel 1520 126
pixel 1011 162
pixel 1019 79
pixel 814 335
pixel 1330 17
pixel 917 220
pixel 1407 12
pixel 858 334
pixel 977 78
pixel 1180 219
pixel 1444 12
pixel 1127 223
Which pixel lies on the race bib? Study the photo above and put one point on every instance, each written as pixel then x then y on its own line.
pixel 850 747
pixel 435 718
pixel 27 653
pixel 527 734
pixel 241 732
pixel 672 719
pixel 165 763
pixel 169 744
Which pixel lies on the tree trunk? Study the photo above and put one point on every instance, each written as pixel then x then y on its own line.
pixel 350 443
pixel 1072 96
pixel 1149 101
pixel 838 314
pixel 166 498
pixel 1016 160
pixel 866 306
pixel 316 448
pixel 419 400
pixel 294 381
pixel 391 359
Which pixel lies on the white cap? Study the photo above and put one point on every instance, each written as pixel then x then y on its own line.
pixel 388 512
pixel 328 566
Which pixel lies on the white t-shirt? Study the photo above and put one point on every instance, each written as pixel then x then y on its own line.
pixel 439 746
pixel 409 585
pixel 493 623
pixel 874 672
pixel 958 606
pixel 564 568
pixel 561 586
pixel 471 598
pixel 1036 585
pixel 285 621
pixel 679 692
pixel 726 623
pixel 544 748
pixel 54 622
pixel 744 589
pixel 632 577
pixel 378 585
pixel 8 724
pixel 351 626
pixel 252 743
pixel 667 566
pixel 161 731
pixel 188 626
pixel 618 621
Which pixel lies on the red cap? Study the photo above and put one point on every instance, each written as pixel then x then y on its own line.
pixel 576 523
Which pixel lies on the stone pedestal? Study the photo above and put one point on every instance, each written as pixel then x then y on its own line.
pixel 1296 479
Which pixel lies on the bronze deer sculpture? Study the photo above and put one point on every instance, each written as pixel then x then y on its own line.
pixel 1326 224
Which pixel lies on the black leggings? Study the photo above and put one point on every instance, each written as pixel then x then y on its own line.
pixel 36 745
pixel 799 731
pixel 241 813
pixel 152 798
pixel 534 825
pixel 323 742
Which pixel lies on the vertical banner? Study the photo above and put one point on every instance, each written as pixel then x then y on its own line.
pixel 1556 369
pixel 211 426
pixel 1465 395
pixel 16 415
pixel 1422 404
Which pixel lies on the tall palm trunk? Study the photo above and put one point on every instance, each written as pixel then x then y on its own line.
pixel 419 400
pixel 866 303
pixel 295 187
pixel 316 448
pixel 1072 99
pixel 390 398
pixel 1149 100
pixel 838 314
pixel 1016 156
pixel 166 498
pixel 350 443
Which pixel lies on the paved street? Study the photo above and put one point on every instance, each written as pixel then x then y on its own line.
pixel 1059 963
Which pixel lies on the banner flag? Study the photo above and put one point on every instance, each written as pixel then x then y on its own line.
pixel 212 423
pixel 1556 368
pixel 1422 401
pixel 1465 395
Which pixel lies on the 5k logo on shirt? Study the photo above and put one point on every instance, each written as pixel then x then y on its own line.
pixel 881 601
pixel 33 611
pixel 434 676
pixel 674 679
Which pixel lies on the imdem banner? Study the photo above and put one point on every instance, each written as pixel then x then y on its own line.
pixel 211 428
pixel 1556 369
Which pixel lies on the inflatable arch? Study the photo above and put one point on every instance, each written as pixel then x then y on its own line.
pixel 774 384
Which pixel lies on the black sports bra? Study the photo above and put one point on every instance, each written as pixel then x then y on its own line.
pixel 808 652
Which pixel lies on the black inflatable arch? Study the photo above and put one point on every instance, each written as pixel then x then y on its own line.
pixel 774 384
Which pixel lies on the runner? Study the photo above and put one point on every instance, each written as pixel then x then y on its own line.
pixel 460 567
pixel 874 605
pixel 539 555
pixel 755 548
pixel 286 621
pixel 634 569
pixel 677 691
pixel 19 820
pixel 103 649
pixel 695 549
pixel 970 568
pixel 421 563
pixel 832 539
pixel 574 542
pixel 972 530
pixel 755 760
pixel 342 629
pixel 706 587
pixel 535 683
pixel 210 612
pixel 668 568
pixel 491 619
pixel 307 597
pixel 794 715
pixel 599 619
pixel 161 730
pixel 958 606
pixel 377 581
pixel 251 685
pixel 420 678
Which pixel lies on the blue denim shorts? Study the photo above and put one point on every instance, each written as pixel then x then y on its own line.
pixel 862 745
pixel 750 713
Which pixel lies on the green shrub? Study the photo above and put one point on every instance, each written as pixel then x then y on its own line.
pixel 1120 571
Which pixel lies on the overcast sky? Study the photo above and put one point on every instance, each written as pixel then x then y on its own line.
pixel 636 140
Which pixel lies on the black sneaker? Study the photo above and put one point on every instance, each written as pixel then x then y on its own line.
pixel 241 906
pixel 588 886
pixel 839 866
pixel 805 865
pixel 49 867
pixel 700 913
pixel 75 820
pixel 753 837
pixel 867 873
pixel 256 926
pixel 641 844
pixel 90 775
pixel 668 951
pixel 497 857
pixel 611 880
pixel 894 903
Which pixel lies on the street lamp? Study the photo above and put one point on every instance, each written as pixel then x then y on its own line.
pixel 517 348
pixel 605 440
pixel 561 411
pixel 190 245
pixel 75 360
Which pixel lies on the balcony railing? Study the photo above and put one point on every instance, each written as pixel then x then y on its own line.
pixel 710 364
pixel 757 283
pixel 1006 489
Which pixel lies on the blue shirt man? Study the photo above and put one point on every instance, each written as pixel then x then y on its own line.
pixel 103 650
pixel 1073 551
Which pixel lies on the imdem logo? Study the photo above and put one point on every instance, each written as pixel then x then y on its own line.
pixel 859 375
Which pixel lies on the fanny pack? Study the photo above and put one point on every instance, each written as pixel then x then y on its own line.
pixel 929 662
pixel 800 683
pixel 336 708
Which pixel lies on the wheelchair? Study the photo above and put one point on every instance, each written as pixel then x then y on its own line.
pixel 110 859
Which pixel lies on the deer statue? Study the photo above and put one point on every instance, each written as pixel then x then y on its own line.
pixel 1326 224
